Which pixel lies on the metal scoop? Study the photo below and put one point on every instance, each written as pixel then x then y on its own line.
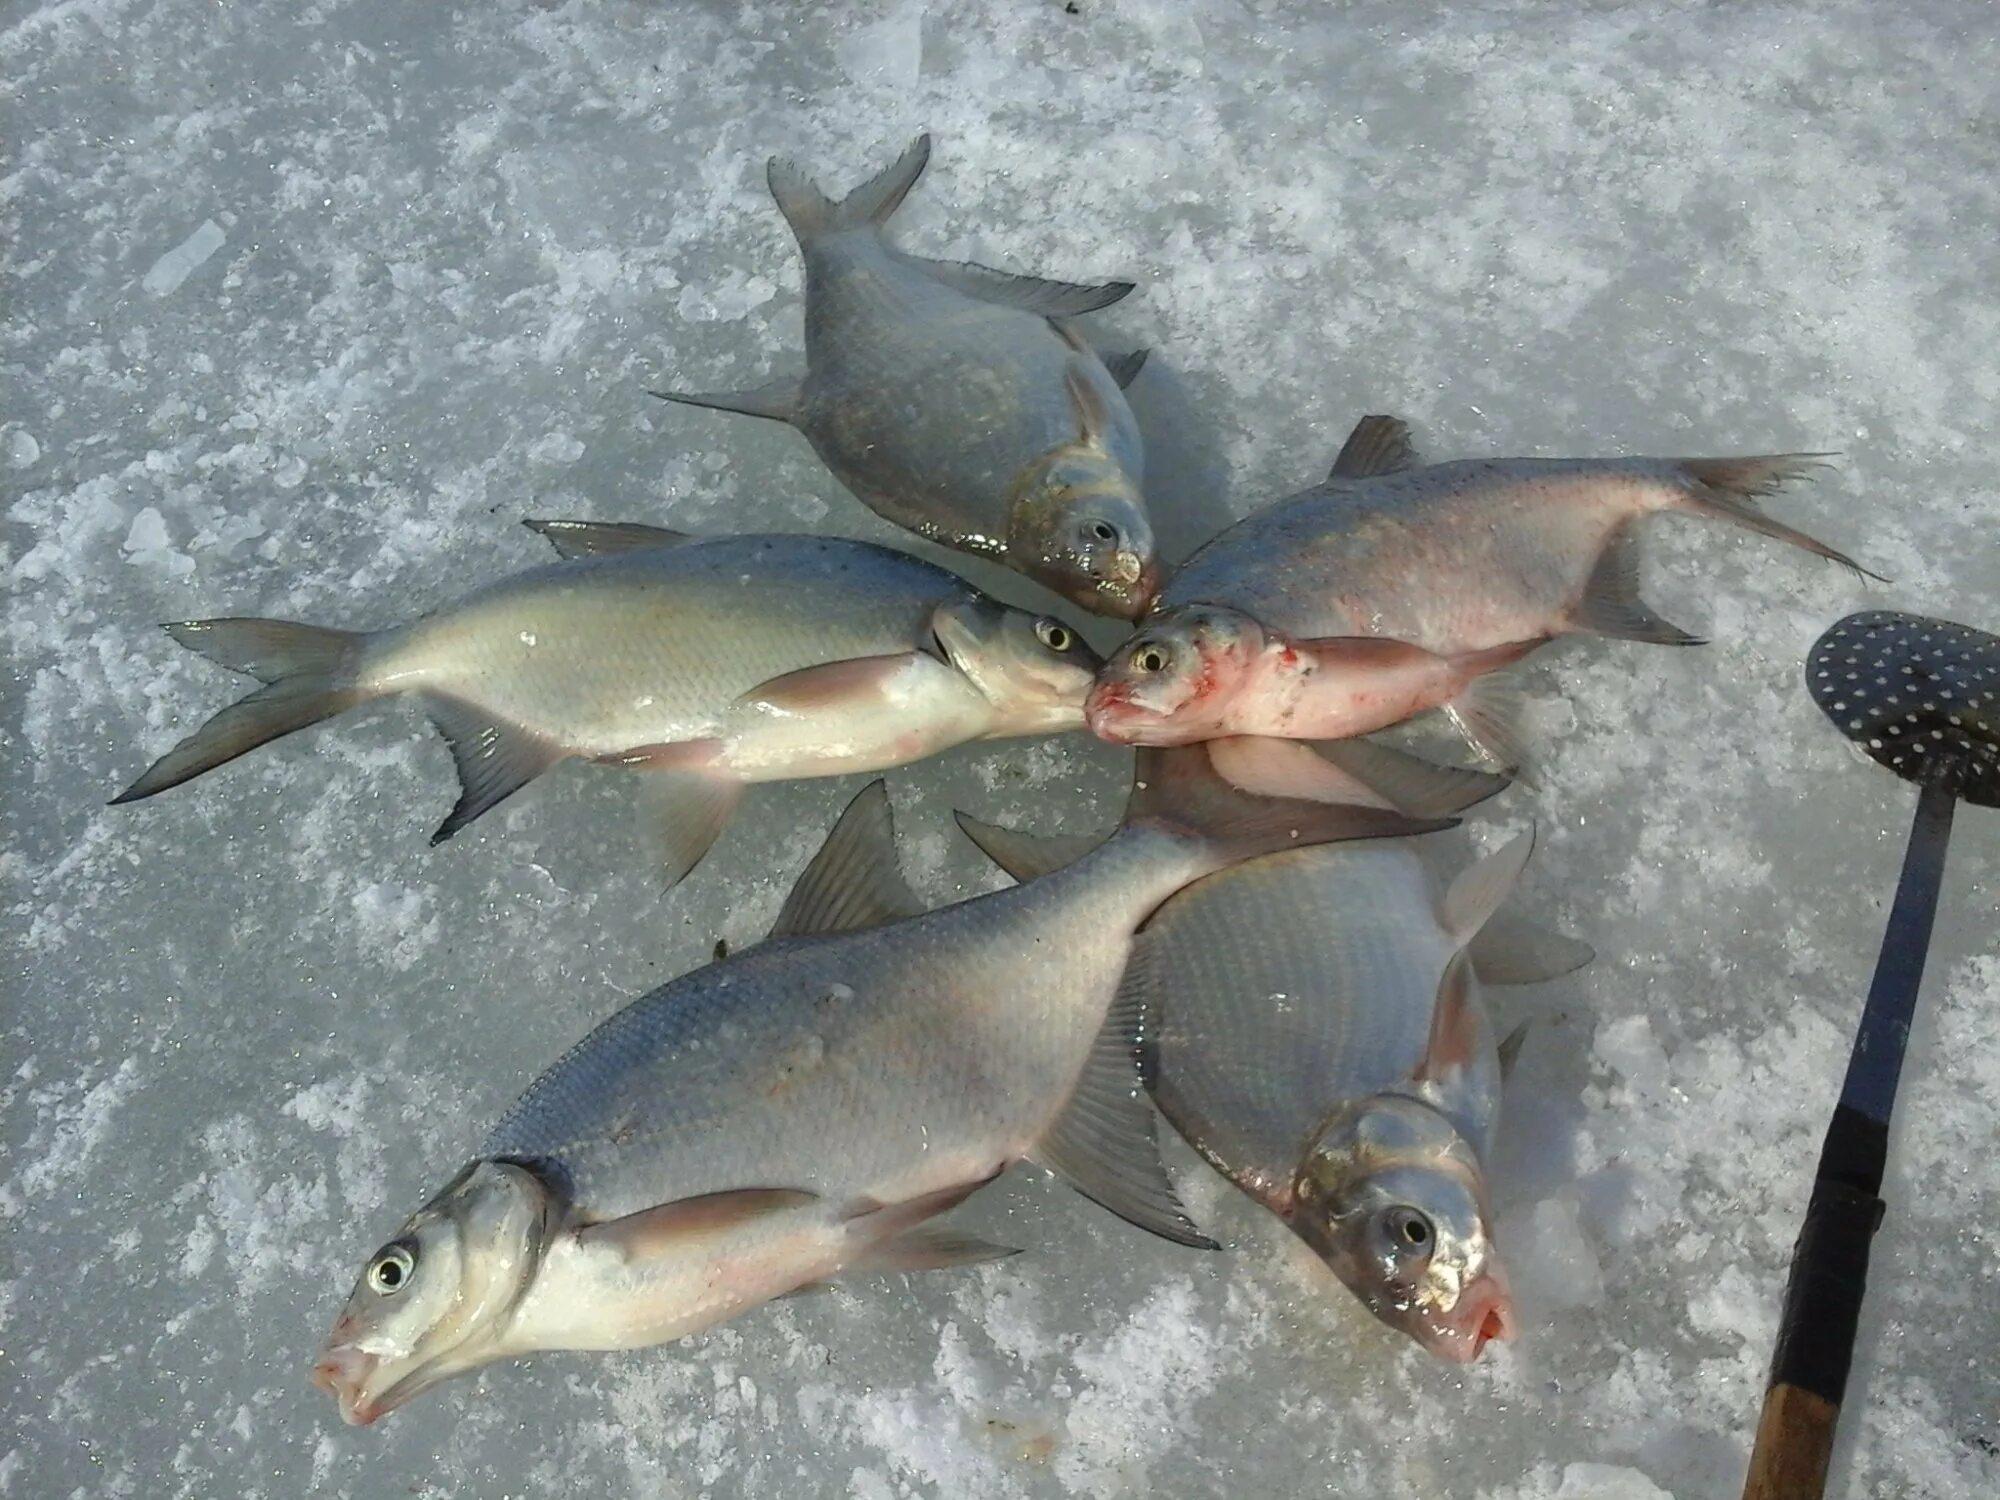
pixel 1921 697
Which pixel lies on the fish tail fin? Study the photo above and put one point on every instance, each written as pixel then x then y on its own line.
pixel 1179 791
pixel 308 675
pixel 810 212
pixel 1729 488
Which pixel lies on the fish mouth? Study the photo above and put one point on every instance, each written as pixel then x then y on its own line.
pixel 1122 589
pixel 345 1373
pixel 1484 1313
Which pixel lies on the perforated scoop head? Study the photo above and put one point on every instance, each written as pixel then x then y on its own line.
pixel 1911 691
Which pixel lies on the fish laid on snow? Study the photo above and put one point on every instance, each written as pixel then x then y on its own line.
pixel 1319 1036
pixel 956 401
pixel 713 662
pixel 1394 588
pixel 803 1107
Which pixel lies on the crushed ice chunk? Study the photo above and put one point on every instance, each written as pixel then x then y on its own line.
pixel 1550 1259
pixel 1628 1046
pixel 148 545
pixel 290 473
pixel 1608 1482
pixel 555 448
pixel 179 263
pixel 22 450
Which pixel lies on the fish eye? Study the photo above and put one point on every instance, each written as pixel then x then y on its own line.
pixel 1410 1230
pixel 1055 635
pixel 390 1271
pixel 1151 659
pixel 1102 531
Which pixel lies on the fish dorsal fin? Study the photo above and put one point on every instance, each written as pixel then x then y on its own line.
pixel 1125 368
pixel 1026 855
pixel 1093 417
pixel 495 759
pixel 1378 445
pixel 1477 891
pixel 1513 950
pixel 1419 787
pixel 1031 294
pixel 575 539
pixel 1457 1027
pixel 1103 1143
pixel 854 880
pixel 672 1226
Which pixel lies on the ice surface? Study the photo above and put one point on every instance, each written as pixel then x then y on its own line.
pixel 306 306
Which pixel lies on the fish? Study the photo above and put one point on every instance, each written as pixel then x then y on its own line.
pixel 805 1107
pixel 1397 587
pixel 1318 1033
pixel 960 402
pixel 713 663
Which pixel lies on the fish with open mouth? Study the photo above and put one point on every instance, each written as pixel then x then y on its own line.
pixel 711 662
pixel 1318 1034
pixel 959 402
pixel 1396 587
pixel 805 1107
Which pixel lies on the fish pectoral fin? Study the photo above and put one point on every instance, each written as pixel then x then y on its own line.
pixel 578 539
pixel 1103 1144
pixel 1125 368
pixel 1093 418
pixel 1031 294
pixel 671 1227
pixel 1025 855
pixel 1364 653
pixel 855 880
pixel 1267 767
pixel 1378 445
pixel 495 759
pixel 1611 605
pixel 778 400
pixel 928 1248
pixel 1458 1025
pixel 829 685
pixel 1419 787
pixel 1513 950
pixel 1476 892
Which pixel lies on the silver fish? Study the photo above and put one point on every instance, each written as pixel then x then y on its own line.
pixel 802 1108
pixel 1394 588
pixel 1322 1041
pixel 956 401
pixel 712 662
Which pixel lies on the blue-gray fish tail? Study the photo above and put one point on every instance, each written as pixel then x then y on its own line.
pixel 810 212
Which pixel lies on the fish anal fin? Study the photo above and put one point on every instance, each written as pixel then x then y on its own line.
pixel 1476 891
pixel 1026 855
pixel 776 400
pixel 495 759
pixel 1378 445
pixel 691 808
pixel 1125 368
pixel 1610 604
pixel 854 880
pixel 829 685
pixel 1039 295
pixel 1103 1143
pixel 1512 950
pixel 671 1227
pixel 579 539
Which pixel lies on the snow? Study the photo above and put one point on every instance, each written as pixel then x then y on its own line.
pixel 306 307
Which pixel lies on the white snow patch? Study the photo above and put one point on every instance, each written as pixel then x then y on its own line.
pixel 72 1125
pixel 171 269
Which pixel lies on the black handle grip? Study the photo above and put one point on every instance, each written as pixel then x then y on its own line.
pixel 1823 1297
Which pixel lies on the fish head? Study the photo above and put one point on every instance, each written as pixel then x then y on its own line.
pixel 1175 681
pixel 436 1300
pixel 1078 523
pixel 1392 1197
pixel 1033 669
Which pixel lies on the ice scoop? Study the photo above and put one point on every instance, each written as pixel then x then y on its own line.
pixel 1921 697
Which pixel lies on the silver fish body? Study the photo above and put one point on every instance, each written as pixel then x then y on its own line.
pixel 714 662
pixel 958 401
pixel 801 1109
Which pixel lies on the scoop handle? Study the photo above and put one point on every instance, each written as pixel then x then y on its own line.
pixel 1829 1274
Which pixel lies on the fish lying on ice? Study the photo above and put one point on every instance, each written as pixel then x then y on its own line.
pixel 1394 588
pixel 712 662
pixel 1319 1036
pixel 804 1107
pixel 956 401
